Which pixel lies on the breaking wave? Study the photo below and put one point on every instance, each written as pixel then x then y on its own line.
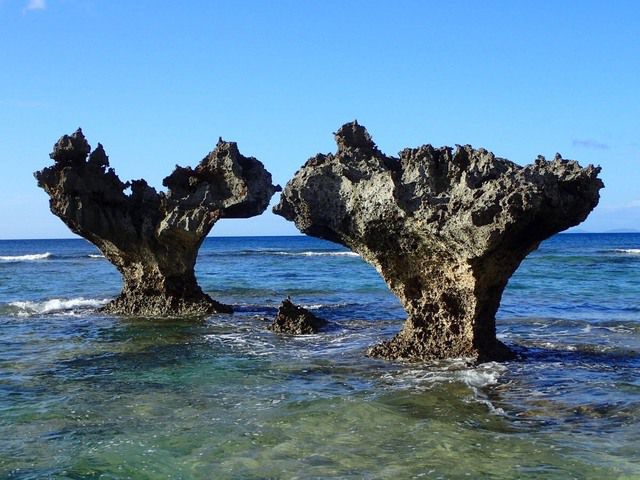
pixel 631 251
pixel 25 258
pixel 55 306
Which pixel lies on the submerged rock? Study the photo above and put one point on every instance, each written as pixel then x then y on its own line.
pixel 295 320
pixel 445 228
pixel 153 237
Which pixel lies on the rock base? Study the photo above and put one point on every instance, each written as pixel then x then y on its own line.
pixel 164 306
pixel 416 349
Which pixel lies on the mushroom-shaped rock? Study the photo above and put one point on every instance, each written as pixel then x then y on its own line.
pixel 153 237
pixel 295 320
pixel 445 228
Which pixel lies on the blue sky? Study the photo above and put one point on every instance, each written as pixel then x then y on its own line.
pixel 158 82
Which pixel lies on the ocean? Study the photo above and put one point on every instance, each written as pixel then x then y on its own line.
pixel 88 395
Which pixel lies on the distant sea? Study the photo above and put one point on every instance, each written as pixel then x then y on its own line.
pixel 88 395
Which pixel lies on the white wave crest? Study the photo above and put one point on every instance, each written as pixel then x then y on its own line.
pixel 95 255
pixel 25 258
pixel 55 305
pixel 317 254
pixel 318 306
pixel 315 306
pixel 632 251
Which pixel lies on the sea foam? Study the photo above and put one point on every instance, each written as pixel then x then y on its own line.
pixel 632 251
pixel 448 371
pixel 55 305
pixel 25 258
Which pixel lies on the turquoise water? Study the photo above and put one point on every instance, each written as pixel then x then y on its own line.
pixel 86 395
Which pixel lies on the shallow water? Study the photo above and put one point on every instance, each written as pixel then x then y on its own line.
pixel 85 395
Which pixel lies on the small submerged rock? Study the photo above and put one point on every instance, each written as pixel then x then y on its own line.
pixel 295 320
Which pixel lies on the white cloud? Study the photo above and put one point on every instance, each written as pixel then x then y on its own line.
pixel 36 5
pixel 590 143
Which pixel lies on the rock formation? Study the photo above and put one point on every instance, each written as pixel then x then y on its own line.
pixel 295 320
pixel 153 237
pixel 445 228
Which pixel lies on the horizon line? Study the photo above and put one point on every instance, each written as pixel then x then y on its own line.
pixel 78 237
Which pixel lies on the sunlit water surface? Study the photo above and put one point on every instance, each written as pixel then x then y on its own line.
pixel 86 395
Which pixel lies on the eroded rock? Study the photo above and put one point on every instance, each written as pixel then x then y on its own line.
pixel 295 320
pixel 153 237
pixel 445 228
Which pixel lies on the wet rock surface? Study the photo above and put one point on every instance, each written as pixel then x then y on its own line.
pixel 446 228
pixel 153 237
pixel 295 320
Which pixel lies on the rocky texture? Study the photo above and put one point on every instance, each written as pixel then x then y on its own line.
pixel 153 237
pixel 295 320
pixel 445 227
